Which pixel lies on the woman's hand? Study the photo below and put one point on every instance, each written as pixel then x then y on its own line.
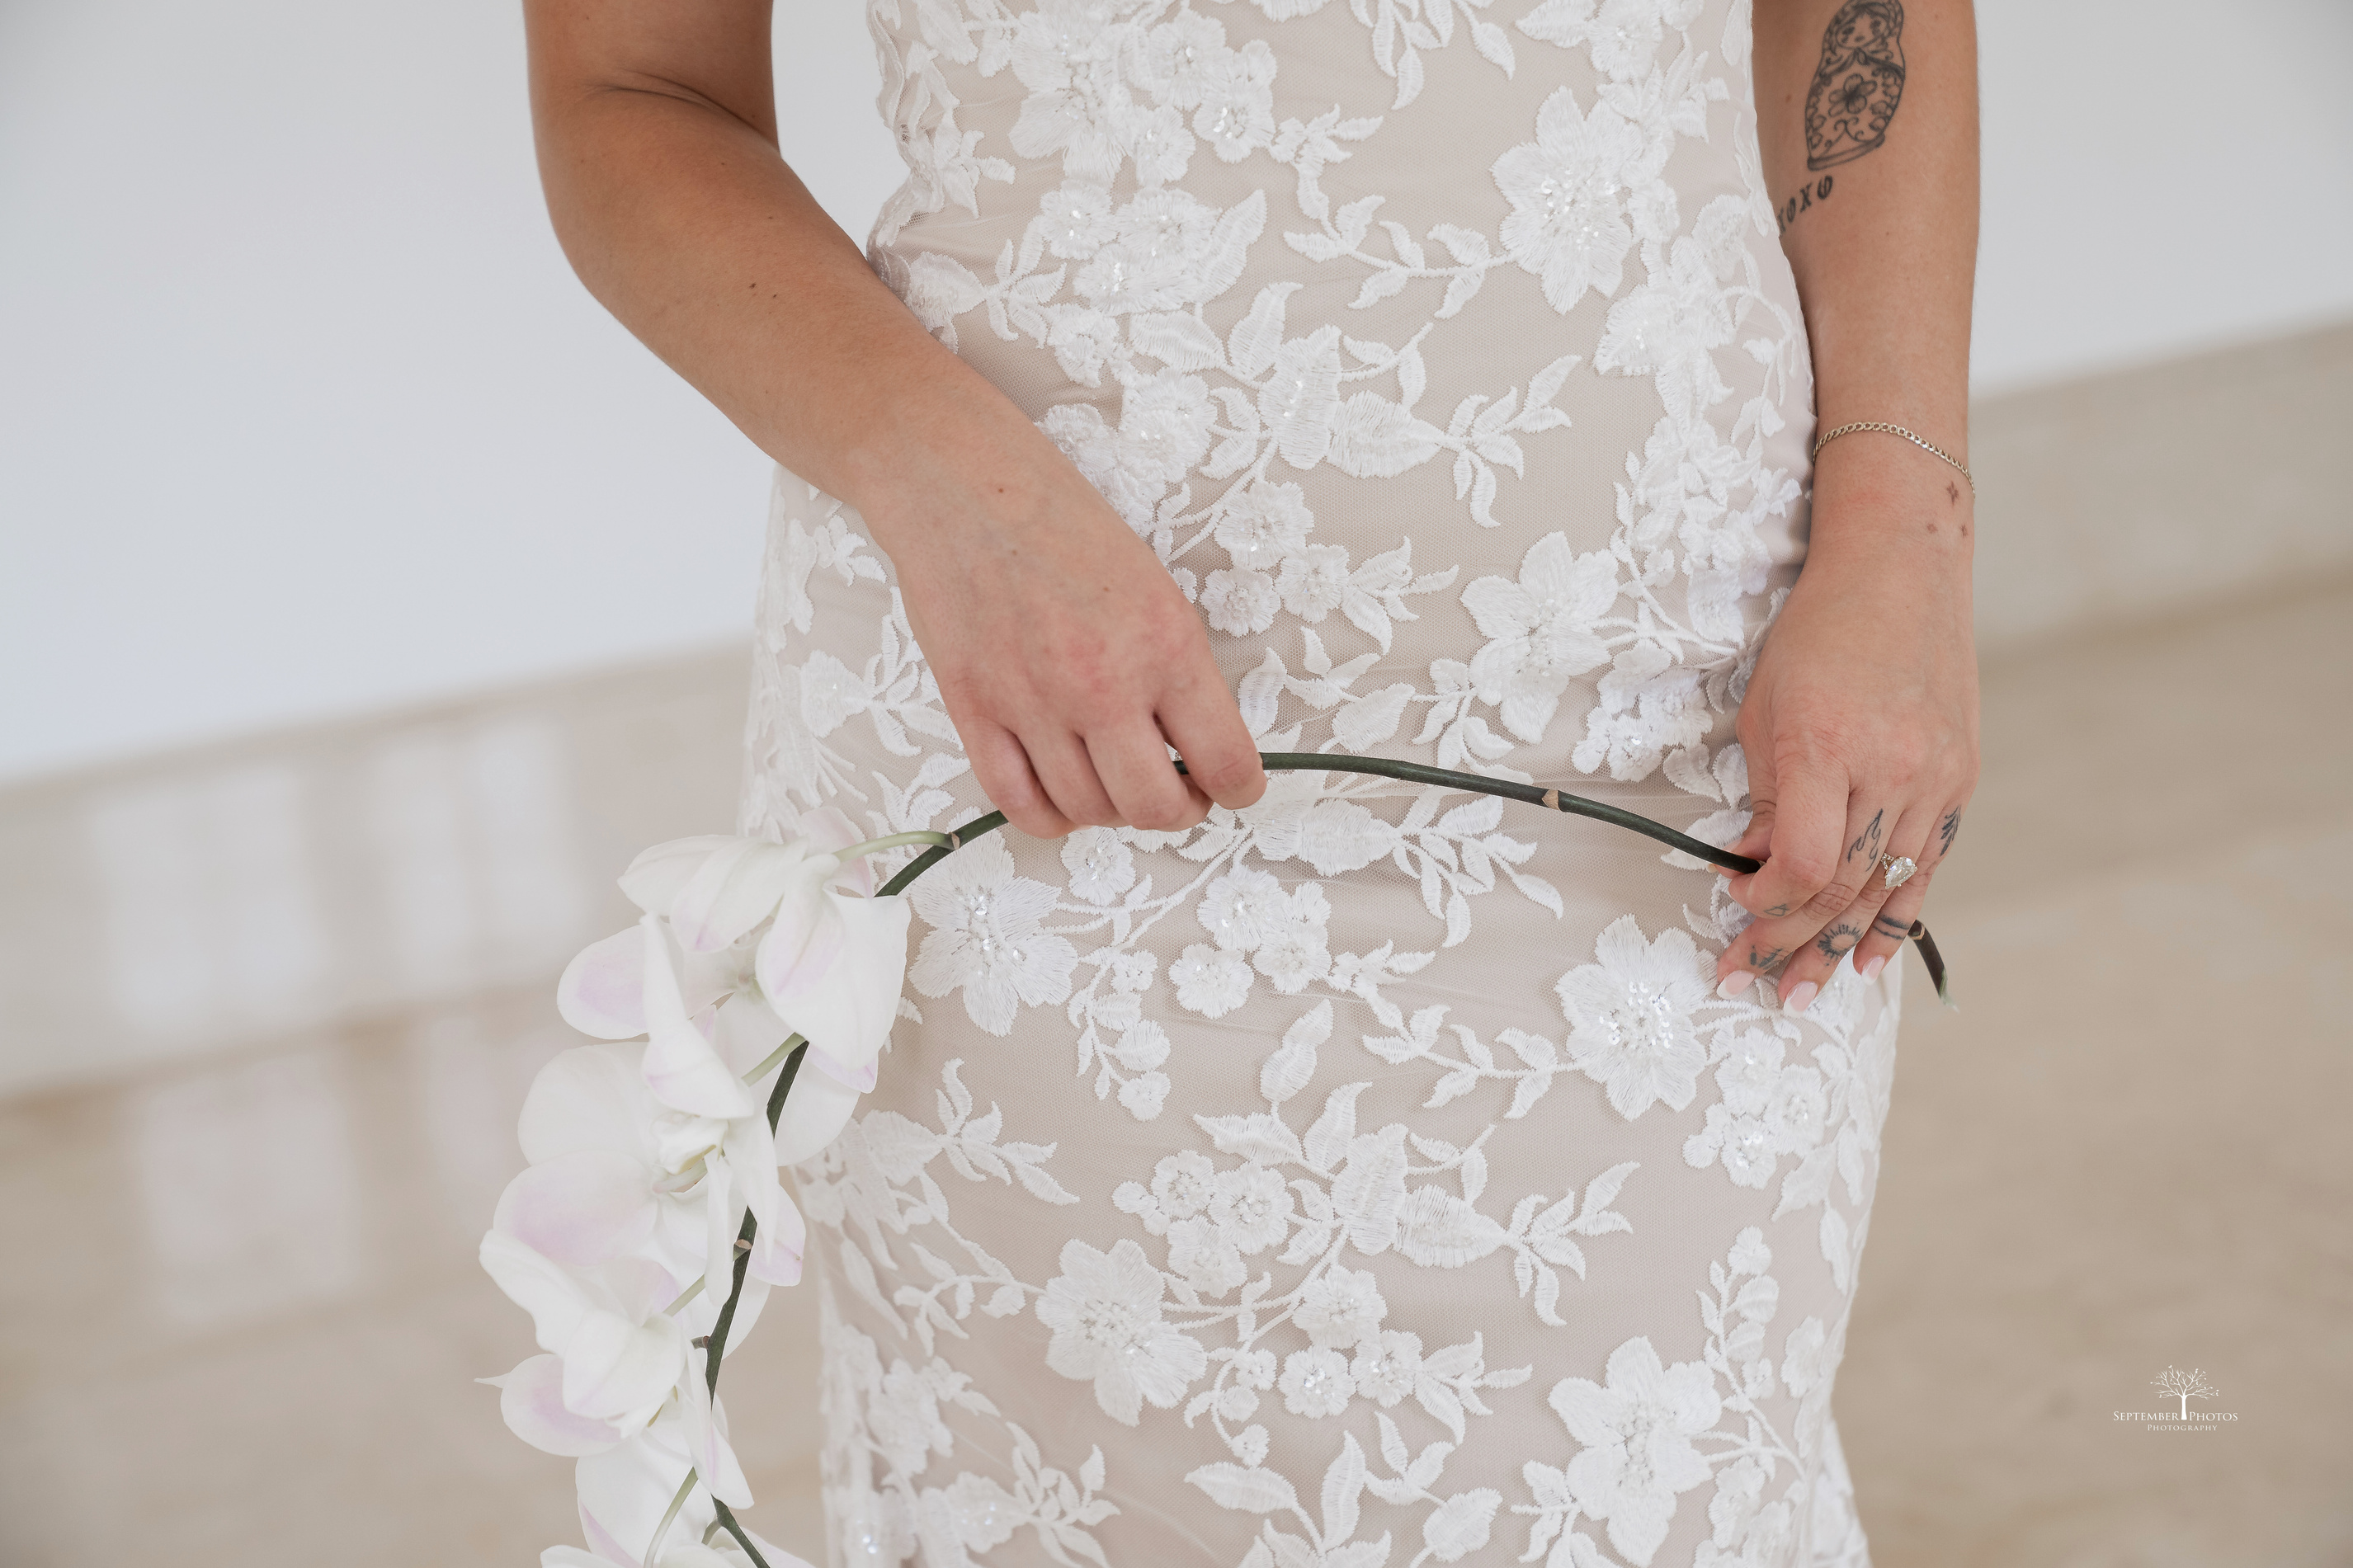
pixel 1860 725
pixel 1067 659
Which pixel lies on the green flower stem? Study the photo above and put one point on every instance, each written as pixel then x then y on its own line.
pixel 942 844
pixel 896 840
pixel 689 1294
pixel 685 1489
pixel 727 1520
pixel 773 1058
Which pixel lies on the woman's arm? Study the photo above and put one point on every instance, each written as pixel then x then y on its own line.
pixel 1063 651
pixel 1859 723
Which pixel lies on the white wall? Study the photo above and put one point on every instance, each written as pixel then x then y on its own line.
pixel 2160 177
pixel 303 415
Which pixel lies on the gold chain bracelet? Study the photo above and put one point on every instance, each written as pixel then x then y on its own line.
pixel 1827 436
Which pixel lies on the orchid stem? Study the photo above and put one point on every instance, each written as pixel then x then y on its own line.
pixel 727 1518
pixel 685 1489
pixel 896 841
pixel 768 1062
pixel 689 1294
pixel 939 846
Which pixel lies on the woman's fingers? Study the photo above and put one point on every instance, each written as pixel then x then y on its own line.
pixel 1142 782
pixel 1851 927
pixel 1891 924
pixel 1002 766
pixel 1200 719
pixel 1814 869
pixel 1067 770
pixel 1801 858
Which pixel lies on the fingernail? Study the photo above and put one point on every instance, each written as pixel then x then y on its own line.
pixel 1801 997
pixel 1870 971
pixel 1734 984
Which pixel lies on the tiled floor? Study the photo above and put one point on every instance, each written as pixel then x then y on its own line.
pixel 239 1311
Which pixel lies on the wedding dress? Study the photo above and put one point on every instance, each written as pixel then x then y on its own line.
pixel 1372 1177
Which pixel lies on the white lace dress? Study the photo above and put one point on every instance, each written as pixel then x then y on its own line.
pixel 1373 1178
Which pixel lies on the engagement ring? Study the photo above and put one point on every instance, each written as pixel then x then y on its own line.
pixel 1899 870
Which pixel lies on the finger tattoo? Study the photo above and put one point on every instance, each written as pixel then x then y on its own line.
pixel 1835 942
pixel 1947 830
pixel 1766 959
pixel 1897 929
pixel 1867 838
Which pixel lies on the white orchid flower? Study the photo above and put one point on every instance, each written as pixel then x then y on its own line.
pixel 831 963
pixel 625 1491
pixel 614 1169
pixel 832 967
pixel 620 1356
pixel 586 1398
pixel 644 1159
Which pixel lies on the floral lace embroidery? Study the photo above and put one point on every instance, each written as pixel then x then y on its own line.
pixel 1242 1272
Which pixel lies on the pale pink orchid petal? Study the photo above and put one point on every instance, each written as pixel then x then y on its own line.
pixel 733 890
pixel 750 1149
pixel 607 1549
pixel 636 1288
pixel 624 1491
pixel 620 1352
pixel 829 830
pixel 555 1297
pixel 814 1113
pixel 656 878
pixel 747 1033
pixel 706 1442
pixel 602 993
pixel 849 1009
pixel 531 1398
pixel 573 1557
pixel 621 1370
pixel 723 1219
pixel 681 1067
pixel 590 1097
pixel 586 1206
pixel 861 1077
pixel 809 937
pixel 694 1554
pixel 777 1244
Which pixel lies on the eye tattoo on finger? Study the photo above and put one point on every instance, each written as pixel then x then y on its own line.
pixel 1831 945
pixel 1777 911
pixel 1868 837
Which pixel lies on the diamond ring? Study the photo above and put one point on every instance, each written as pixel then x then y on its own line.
pixel 1899 869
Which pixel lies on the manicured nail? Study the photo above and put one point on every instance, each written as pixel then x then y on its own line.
pixel 1870 971
pixel 1800 998
pixel 1734 984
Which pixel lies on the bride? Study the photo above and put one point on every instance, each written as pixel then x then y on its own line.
pixel 1324 1170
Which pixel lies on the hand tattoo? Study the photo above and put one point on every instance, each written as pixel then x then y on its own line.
pixel 1831 947
pixel 1764 961
pixel 1947 830
pixel 1868 838
pixel 1858 84
pixel 1886 926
